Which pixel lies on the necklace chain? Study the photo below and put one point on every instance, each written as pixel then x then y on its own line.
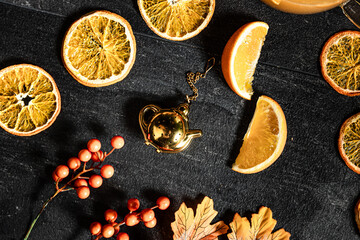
pixel 192 79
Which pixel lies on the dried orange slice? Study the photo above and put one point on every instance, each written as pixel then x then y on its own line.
pixel 340 62
pixel 177 20
pixel 29 99
pixel 265 138
pixel 349 142
pixel 240 57
pixel 357 214
pixel 99 49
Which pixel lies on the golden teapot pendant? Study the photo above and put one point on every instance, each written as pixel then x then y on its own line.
pixel 167 129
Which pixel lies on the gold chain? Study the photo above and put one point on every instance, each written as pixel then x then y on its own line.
pixel 192 78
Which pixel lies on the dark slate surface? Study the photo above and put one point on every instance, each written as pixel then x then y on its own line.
pixel 310 190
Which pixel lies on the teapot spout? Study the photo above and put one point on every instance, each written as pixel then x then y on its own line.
pixel 194 133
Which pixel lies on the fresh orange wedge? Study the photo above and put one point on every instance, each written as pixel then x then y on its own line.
pixel 177 20
pixel 265 138
pixel 340 62
pixel 29 99
pixel 349 142
pixel 241 55
pixel 99 49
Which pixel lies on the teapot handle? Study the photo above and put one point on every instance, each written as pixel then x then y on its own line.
pixel 351 9
pixel 143 123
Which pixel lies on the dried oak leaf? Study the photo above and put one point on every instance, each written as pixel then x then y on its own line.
pixel 188 227
pixel 262 224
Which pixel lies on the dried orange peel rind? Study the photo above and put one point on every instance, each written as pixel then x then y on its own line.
pixel 348 142
pixel 241 55
pixel 99 49
pixel 29 99
pixel 340 62
pixel 177 20
pixel 265 138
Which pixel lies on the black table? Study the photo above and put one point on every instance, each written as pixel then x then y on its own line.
pixel 309 188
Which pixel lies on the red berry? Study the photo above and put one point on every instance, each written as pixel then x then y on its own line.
pixel 95 156
pixel 151 223
pixel 107 231
pixel 107 171
pixel 95 181
pixel 133 204
pixel 62 171
pixel 83 192
pixel 84 155
pixel 117 228
pixel 122 236
pixel 131 219
pixel 94 145
pixel 110 215
pixel 163 203
pixel 74 163
pixel 80 183
pixel 55 177
pixel 117 142
pixel 147 215
pixel 95 228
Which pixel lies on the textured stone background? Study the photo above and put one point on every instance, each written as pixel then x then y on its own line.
pixel 310 190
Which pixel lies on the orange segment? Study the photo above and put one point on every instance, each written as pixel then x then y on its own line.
pixel 240 57
pixel 349 142
pixel 29 99
pixel 340 62
pixel 177 20
pixel 99 49
pixel 265 138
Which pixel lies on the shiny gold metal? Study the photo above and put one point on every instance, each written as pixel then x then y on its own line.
pixel 167 129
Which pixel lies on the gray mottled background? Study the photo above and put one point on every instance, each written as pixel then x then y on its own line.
pixel 309 188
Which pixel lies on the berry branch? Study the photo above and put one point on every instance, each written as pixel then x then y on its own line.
pixel 79 182
pixel 133 218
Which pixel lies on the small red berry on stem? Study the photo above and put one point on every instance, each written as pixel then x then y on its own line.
pixel 95 228
pixel 83 192
pixel 62 171
pixel 97 156
pixel 147 215
pixel 122 236
pixel 110 215
pixel 131 219
pixel 84 155
pixel 80 183
pixel 163 203
pixel 95 181
pixel 151 223
pixel 107 231
pixel 107 171
pixel 133 204
pixel 74 163
pixel 55 177
pixel 117 142
pixel 94 145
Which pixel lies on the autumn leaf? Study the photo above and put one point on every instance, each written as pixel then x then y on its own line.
pixel 262 225
pixel 188 227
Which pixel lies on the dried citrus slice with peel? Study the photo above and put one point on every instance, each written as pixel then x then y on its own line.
pixel 340 62
pixel 240 57
pixel 349 142
pixel 99 49
pixel 29 99
pixel 177 20
pixel 265 138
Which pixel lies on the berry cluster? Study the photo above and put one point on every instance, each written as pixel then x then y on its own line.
pixel 147 216
pixel 78 181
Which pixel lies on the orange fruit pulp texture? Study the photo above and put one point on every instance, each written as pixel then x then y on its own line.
pixel 29 99
pixel 265 138
pixel 99 49
pixel 240 57
pixel 177 20
pixel 340 62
